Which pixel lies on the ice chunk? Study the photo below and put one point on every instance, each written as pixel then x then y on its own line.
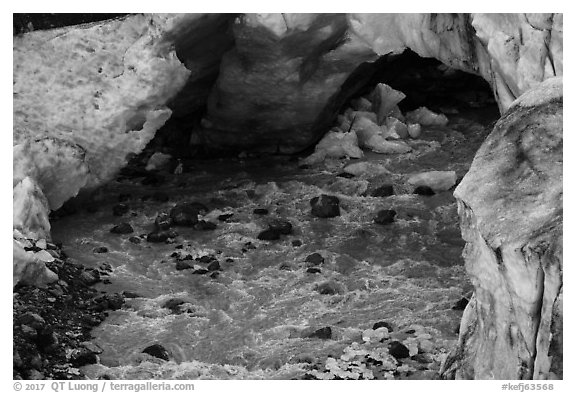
pixel 357 115
pixel 396 127
pixel 437 180
pixel 414 130
pixel 158 161
pixel 365 129
pixel 337 145
pixel 395 112
pixel 379 144
pixel 30 210
pixel 384 100
pixel 426 117
pixel 28 269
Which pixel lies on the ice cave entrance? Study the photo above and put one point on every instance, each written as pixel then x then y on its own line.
pixel 258 283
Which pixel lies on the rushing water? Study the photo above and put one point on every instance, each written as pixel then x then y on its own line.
pixel 249 322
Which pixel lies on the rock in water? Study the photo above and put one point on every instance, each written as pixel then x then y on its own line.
pixel 158 351
pixel 157 237
pixel 385 217
pixel 122 228
pixel 424 190
pixel 414 130
pixel 385 324
pixel 269 234
pixel 281 225
pixel 162 222
pixel 398 350
pixel 511 215
pixel 186 214
pixel 383 191
pixel 315 259
pixel 325 206
pixel 324 333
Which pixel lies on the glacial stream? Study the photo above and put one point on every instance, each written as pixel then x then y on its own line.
pixel 254 318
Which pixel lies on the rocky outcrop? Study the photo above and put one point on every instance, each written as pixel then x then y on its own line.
pixel 510 205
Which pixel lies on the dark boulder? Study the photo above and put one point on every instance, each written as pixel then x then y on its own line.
pixel 186 214
pixel 283 226
pixel 205 226
pixel 213 266
pixel 82 357
pixel 325 206
pixel 183 265
pixel 122 228
pixel 385 217
pixel 424 190
pixel 158 351
pixel 398 350
pixel 314 259
pixel 134 239
pixel 383 191
pixel 269 234
pixel 157 237
pixel 162 222
pixel 324 333
pixel 385 324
